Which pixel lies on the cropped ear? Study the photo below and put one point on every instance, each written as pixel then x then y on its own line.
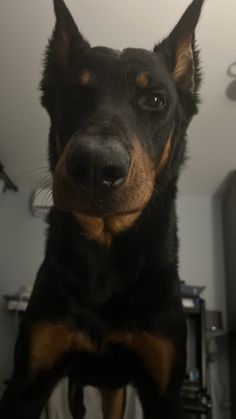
pixel 179 49
pixel 66 41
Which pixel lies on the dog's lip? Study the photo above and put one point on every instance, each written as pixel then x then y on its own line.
pixel 100 212
pixel 97 209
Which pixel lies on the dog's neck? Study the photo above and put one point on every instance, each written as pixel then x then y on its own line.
pixel 151 243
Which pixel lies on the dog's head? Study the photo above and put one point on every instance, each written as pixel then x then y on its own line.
pixel 118 119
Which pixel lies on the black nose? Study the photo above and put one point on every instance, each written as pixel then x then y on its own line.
pixel 95 166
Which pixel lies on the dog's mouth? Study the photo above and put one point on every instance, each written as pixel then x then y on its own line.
pixel 103 215
pixel 101 210
pixel 118 203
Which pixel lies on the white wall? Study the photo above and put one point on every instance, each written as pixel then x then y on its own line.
pixel 21 252
pixel 22 241
pixel 201 247
pixel 202 263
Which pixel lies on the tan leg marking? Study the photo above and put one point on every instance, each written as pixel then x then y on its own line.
pixel 113 404
pixel 156 353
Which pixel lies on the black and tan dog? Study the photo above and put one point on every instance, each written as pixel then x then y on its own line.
pixel 106 306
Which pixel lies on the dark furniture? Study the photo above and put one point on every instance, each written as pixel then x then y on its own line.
pixel 197 401
pixel 229 231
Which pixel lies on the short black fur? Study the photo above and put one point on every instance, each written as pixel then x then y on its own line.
pixel 123 280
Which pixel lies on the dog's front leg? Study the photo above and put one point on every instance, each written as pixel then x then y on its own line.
pixel 26 393
pixel 76 399
pixel 25 398
pixel 156 367
pixel 159 385
pixel 42 357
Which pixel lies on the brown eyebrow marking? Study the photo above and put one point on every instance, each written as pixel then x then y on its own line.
pixel 86 78
pixel 142 79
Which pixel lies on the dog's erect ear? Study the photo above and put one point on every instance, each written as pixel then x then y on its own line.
pixel 179 49
pixel 66 39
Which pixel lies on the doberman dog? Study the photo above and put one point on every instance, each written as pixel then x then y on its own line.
pixel 106 306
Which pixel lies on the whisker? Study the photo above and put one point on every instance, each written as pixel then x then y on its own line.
pixel 46 179
pixel 46 200
pixel 46 185
pixel 31 171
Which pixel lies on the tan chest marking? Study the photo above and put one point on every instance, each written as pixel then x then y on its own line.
pixel 49 342
pixel 103 230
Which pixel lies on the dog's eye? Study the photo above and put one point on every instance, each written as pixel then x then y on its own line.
pixel 155 101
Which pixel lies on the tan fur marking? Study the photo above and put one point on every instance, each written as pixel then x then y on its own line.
pixel 139 181
pixel 183 71
pixel 113 404
pixel 156 353
pixel 94 228
pixel 165 156
pixel 49 342
pixel 86 78
pixel 142 79
pixel 104 229
pixel 132 197
pixel 117 224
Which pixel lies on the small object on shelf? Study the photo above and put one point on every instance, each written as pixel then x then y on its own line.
pixel 16 305
pixel 194 375
pixel 18 301
pixel 191 291
pixel 214 322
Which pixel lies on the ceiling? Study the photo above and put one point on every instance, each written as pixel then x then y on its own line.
pixel 25 28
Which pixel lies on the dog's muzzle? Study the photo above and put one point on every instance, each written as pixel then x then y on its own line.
pixel 97 167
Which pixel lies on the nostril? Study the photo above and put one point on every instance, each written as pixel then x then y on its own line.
pixel 113 176
pixel 80 168
pixel 81 172
pixel 94 166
